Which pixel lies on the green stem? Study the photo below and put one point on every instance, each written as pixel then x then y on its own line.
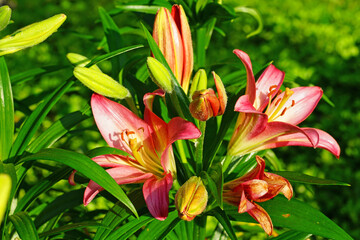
pixel 132 106
pixel 184 161
pixel 200 147
pixel 176 104
pixel 201 52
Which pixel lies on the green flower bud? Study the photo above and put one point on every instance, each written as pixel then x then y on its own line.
pixel 5 15
pixel 199 82
pixel 30 35
pixel 5 183
pixel 191 199
pixel 159 74
pixel 101 83
pixel 81 61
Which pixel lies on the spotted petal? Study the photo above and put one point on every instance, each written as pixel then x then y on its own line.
pixel 304 100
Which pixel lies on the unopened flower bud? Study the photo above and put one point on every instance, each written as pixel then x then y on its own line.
pixel 191 199
pixel 159 74
pixel 173 36
pixel 31 35
pixel 81 61
pixel 5 183
pixel 199 82
pixel 5 15
pixel 206 104
pixel 101 83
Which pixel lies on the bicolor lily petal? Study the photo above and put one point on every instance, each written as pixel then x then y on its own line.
pixel 150 159
pixel 173 36
pixel 268 117
pixel 256 186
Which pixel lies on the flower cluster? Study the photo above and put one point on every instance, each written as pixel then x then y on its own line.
pixel 267 118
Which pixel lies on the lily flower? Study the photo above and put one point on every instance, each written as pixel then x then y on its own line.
pixel 256 186
pixel 173 36
pixel 258 129
pixel 148 143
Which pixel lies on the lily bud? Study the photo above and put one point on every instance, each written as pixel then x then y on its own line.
pixel 159 74
pixel 31 35
pixel 5 15
pixel 206 104
pixel 199 82
pixel 191 199
pixel 81 61
pixel 101 83
pixel 173 36
pixel 5 183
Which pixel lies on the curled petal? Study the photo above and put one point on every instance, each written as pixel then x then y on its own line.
pixel 300 105
pixel 178 129
pixel 156 195
pixel 71 179
pixel 250 86
pixel 255 188
pixel 276 185
pixel 262 217
pixel 122 175
pixel 221 93
pixel 158 125
pixel 244 105
pixel 267 86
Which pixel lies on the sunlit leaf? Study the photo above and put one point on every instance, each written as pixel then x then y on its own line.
pixel 87 167
pixel 303 178
pixel 24 226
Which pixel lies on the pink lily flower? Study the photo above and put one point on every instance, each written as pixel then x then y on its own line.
pixel 173 36
pixel 258 129
pixel 256 186
pixel 148 143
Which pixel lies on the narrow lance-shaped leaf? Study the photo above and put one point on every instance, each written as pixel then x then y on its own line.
pixel 87 167
pixel 6 111
pixel 24 226
pixel 303 178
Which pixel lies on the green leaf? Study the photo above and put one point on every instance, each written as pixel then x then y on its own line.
pixel 24 226
pixel 41 187
pixel 35 73
pixel 105 150
pixel 224 221
pixel 292 235
pixel 296 215
pixel 56 131
pixel 73 226
pixel 117 214
pixel 303 178
pixel 138 8
pixel 112 54
pixel 6 111
pixel 33 122
pixel 58 206
pixel 252 12
pixel 125 231
pixel 214 182
pixel 10 170
pixel 114 40
pixel 159 229
pixel 88 168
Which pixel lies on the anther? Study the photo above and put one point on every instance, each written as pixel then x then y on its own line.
pixel 141 128
pixel 273 87
pixel 292 103
pixel 122 136
pixel 140 148
pixel 283 112
pixel 278 101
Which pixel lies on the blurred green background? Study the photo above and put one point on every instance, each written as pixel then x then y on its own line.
pixel 314 42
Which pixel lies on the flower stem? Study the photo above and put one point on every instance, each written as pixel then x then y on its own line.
pixel 200 148
pixel 184 162
pixel 132 106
